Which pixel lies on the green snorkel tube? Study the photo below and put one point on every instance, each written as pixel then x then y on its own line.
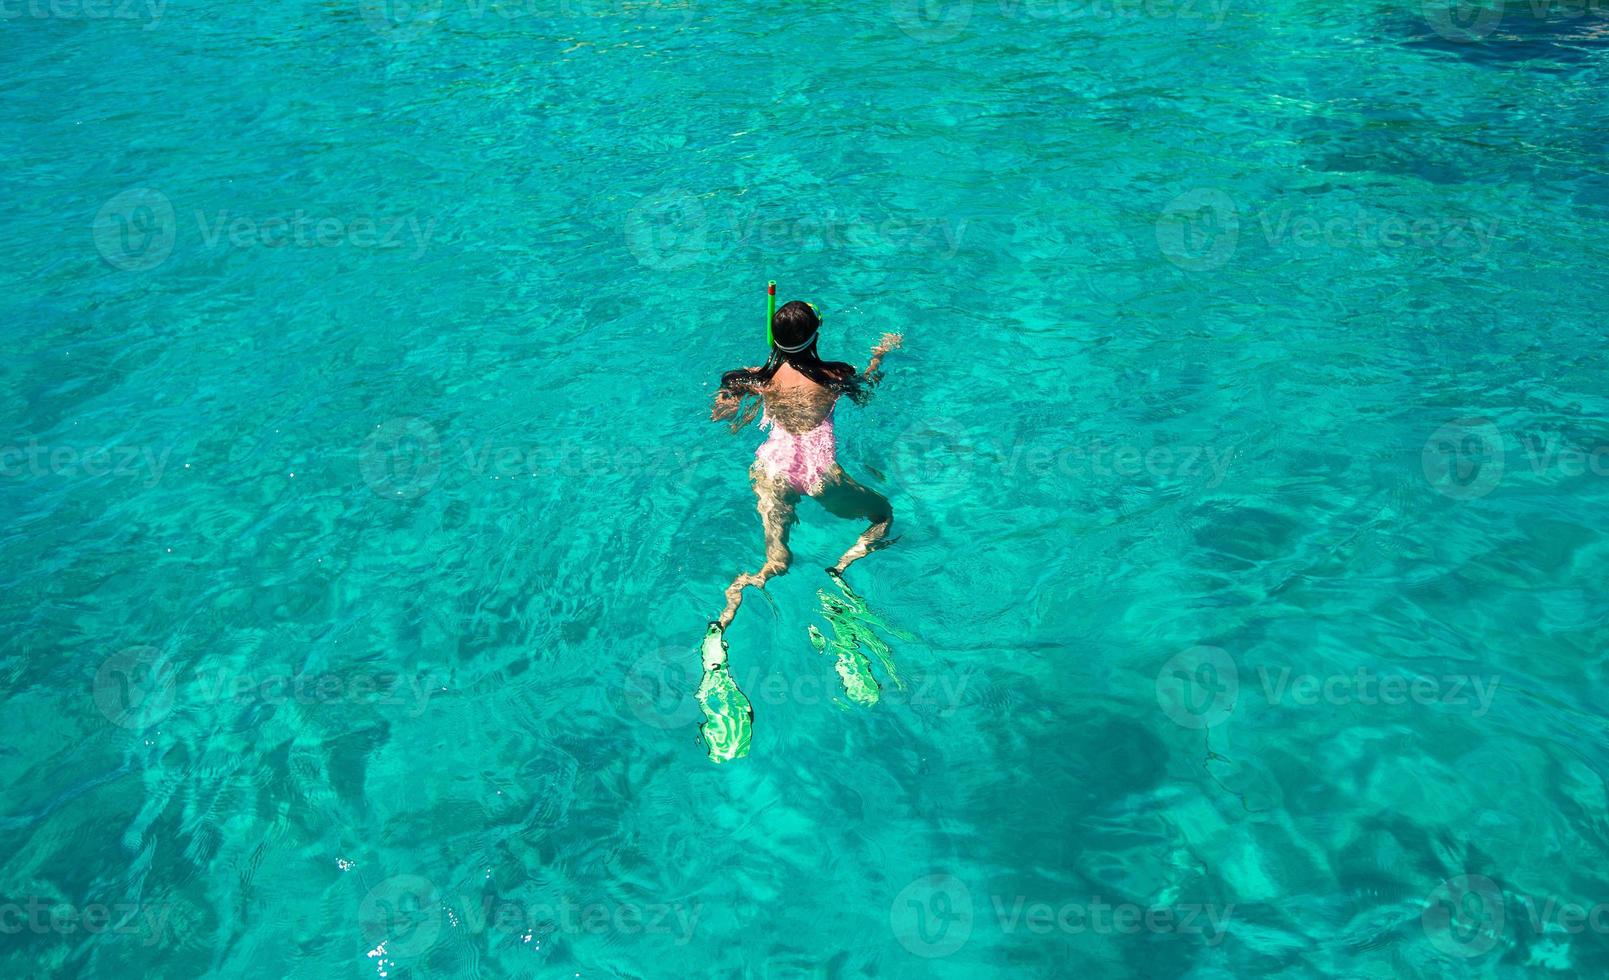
pixel 770 310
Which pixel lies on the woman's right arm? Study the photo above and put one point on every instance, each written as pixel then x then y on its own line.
pixel 728 402
pixel 726 405
pixel 890 341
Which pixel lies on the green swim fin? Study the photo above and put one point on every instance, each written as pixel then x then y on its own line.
pixel 852 622
pixel 854 670
pixel 728 717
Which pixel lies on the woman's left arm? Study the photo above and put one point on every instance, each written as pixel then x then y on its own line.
pixel 890 341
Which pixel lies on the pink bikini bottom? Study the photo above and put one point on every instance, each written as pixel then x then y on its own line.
pixel 803 459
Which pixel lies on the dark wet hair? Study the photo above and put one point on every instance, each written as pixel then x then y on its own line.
pixel 796 323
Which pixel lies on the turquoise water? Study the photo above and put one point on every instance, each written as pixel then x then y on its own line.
pixel 362 518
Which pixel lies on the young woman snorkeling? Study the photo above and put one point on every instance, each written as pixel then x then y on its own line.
pixel 796 392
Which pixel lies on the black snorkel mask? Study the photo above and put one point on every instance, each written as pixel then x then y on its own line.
pixel 771 315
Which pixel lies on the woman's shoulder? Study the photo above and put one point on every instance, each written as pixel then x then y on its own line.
pixel 743 380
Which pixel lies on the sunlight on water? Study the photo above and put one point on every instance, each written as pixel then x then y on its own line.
pixel 1249 451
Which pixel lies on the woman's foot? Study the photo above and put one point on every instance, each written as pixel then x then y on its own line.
pixel 734 592
pixel 873 540
pixel 734 598
pixel 713 649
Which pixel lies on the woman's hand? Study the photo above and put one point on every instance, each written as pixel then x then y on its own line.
pixel 726 406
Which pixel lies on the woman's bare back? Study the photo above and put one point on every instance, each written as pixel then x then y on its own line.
pixel 795 402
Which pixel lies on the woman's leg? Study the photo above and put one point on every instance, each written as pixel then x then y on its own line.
pixel 843 497
pixel 775 502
